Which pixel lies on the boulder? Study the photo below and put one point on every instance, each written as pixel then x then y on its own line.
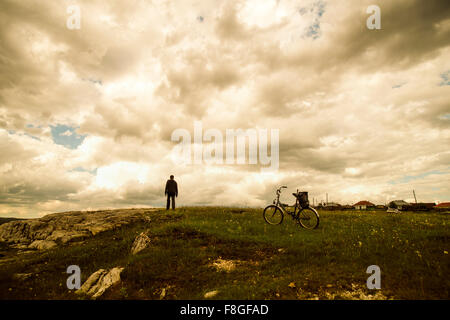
pixel 62 236
pixel 92 281
pixel 42 244
pixel 100 281
pixel 141 242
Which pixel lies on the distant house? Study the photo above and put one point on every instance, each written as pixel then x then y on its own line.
pixel 399 205
pixel 423 206
pixel 381 207
pixel 332 206
pixel 443 205
pixel 363 205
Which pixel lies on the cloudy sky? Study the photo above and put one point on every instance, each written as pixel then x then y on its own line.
pixel 86 115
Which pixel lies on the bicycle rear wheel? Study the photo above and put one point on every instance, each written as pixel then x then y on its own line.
pixel 308 218
pixel 273 215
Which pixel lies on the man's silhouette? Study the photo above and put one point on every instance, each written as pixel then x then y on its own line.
pixel 171 192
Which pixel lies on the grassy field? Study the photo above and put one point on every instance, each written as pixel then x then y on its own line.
pixel 198 250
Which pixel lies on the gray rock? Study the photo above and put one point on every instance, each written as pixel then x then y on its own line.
pixel 141 242
pixel 42 244
pixel 92 281
pixel 62 236
pixel 100 281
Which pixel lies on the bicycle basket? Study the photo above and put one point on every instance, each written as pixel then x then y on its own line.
pixel 303 199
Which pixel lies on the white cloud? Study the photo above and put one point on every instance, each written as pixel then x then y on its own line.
pixel 358 111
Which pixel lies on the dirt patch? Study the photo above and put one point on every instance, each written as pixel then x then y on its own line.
pixel 225 265
pixel 184 234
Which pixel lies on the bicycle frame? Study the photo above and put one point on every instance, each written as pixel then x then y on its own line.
pixel 283 206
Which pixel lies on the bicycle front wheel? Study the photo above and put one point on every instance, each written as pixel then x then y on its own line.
pixel 308 218
pixel 273 215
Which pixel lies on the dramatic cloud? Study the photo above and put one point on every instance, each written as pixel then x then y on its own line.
pixel 87 115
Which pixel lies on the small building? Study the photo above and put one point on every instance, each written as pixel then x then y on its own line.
pixel 423 206
pixel 443 205
pixel 364 205
pixel 400 205
pixel 332 206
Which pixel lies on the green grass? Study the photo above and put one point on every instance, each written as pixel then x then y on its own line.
pixel 272 262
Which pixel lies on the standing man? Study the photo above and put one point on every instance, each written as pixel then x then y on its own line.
pixel 171 192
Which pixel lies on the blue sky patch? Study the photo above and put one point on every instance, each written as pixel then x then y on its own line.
pixel 318 8
pixel 81 169
pixel 94 81
pixel 66 136
pixel 29 125
pixel 313 31
pixel 445 79
pixel 25 133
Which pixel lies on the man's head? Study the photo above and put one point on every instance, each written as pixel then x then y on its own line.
pixel 171 177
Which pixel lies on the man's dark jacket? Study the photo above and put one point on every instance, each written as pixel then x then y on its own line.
pixel 171 187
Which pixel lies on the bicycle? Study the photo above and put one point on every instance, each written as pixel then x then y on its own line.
pixel 306 216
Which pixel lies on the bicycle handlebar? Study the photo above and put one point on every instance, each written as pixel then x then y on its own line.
pixel 279 189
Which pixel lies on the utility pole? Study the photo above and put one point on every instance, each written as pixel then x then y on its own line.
pixel 414 193
pixel 327 198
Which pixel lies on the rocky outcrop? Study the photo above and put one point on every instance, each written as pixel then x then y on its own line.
pixel 141 242
pixel 100 281
pixel 60 228
pixel 42 244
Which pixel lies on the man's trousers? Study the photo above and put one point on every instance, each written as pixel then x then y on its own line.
pixel 170 195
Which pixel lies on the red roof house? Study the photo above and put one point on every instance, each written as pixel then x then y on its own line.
pixel 363 205
pixel 443 205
